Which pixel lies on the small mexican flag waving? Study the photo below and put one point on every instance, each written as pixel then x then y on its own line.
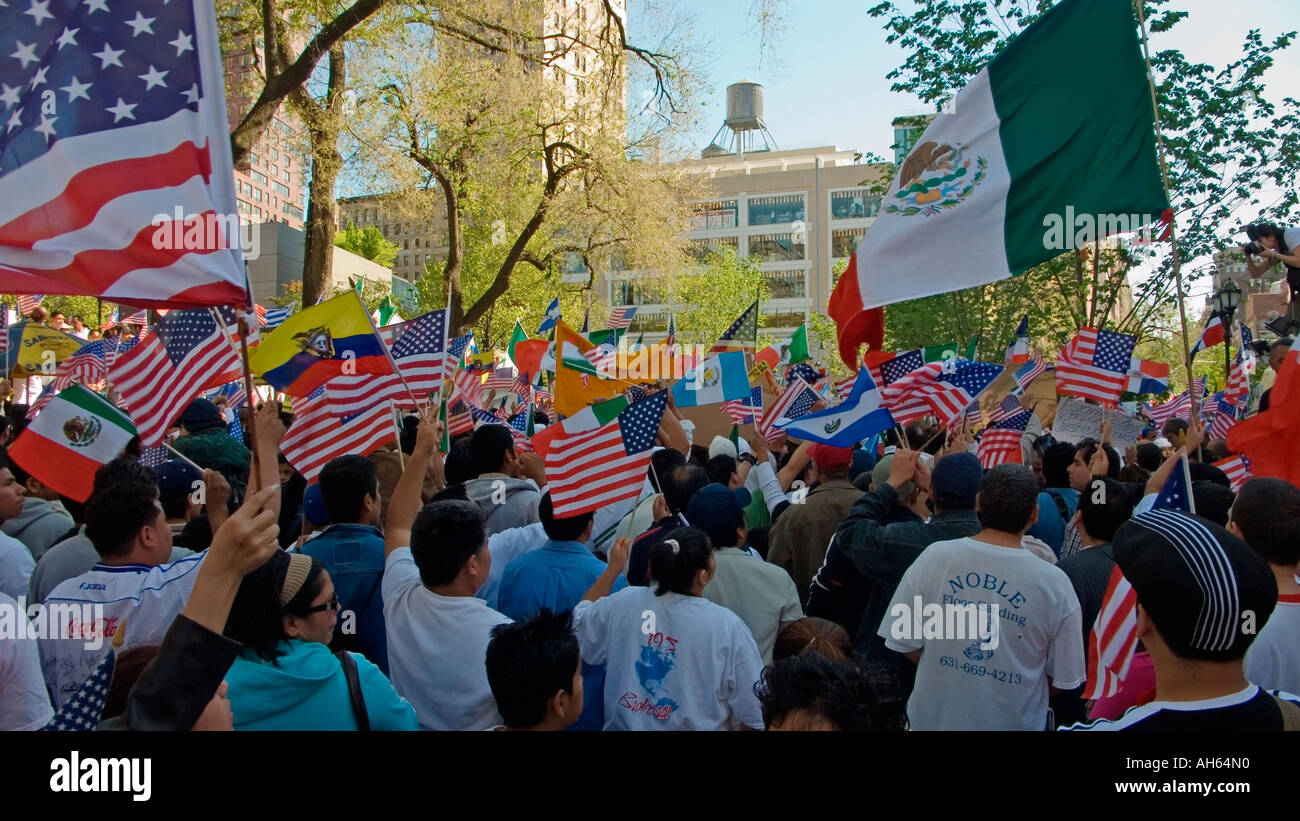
pixel 67 441
pixel 789 351
pixel 1049 147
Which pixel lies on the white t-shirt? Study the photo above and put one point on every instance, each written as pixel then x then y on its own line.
pixel 437 649
pixel 672 662
pixel 16 566
pixel 148 598
pixel 24 704
pixel 1273 660
pixel 960 685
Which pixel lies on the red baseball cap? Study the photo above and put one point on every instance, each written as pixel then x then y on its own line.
pixel 831 458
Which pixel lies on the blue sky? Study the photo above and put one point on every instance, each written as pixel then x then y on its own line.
pixel 829 87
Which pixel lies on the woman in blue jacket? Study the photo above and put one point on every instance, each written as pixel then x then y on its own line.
pixel 286 678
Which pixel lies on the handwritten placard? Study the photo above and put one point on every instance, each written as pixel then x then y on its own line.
pixel 1076 420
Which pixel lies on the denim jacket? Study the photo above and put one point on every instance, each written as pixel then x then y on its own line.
pixel 883 552
pixel 353 555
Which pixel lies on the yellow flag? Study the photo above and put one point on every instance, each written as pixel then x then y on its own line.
pixel 574 389
pixel 41 349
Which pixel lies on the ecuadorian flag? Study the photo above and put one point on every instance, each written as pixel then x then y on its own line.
pixel 311 346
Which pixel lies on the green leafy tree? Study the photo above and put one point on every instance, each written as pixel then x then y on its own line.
pixel 705 300
pixel 368 242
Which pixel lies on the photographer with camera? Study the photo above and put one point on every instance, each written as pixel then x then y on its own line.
pixel 1275 245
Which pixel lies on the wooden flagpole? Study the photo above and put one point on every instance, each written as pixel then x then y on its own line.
pixel 1164 177
pixel 254 479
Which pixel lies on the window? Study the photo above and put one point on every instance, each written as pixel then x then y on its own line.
pixel 291 209
pixel 845 240
pixel 252 158
pixel 417 242
pixel 783 319
pixel 243 206
pixel 257 212
pixel 786 284
pixel 275 153
pixel 776 210
pixel 406 245
pixel 282 190
pixel 275 170
pixel 701 248
pixel 631 292
pixel 258 177
pixel 776 248
pixel 854 204
pixel 257 195
pixel 716 214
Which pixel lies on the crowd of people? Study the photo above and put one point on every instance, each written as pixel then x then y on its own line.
pixel 790 586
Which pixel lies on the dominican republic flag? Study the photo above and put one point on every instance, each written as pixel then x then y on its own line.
pixel 115 155
pixel 552 316
pixel 1145 376
pixel 1013 176
pixel 853 420
pixel 1018 351
pixel 1212 335
pixel 621 317
pixel 716 379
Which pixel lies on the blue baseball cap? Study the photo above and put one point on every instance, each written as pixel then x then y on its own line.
pixel 956 479
pixel 716 507
pixel 313 505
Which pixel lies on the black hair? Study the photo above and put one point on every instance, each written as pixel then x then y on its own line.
pixel 1104 505
pixel 682 483
pixel 720 468
pixel 1213 501
pixel 345 481
pixel 1284 342
pixel 1133 474
pixel 488 448
pixel 1056 464
pixel 1267 512
pixel 1149 456
pixel 1267 229
pixel 674 569
pixel 124 470
pixel 456 493
pixel 528 662
pixel 567 529
pixel 1173 427
pixel 1008 497
pixel 1089 447
pixel 459 467
pixel 256 618
pixel 662 463
pixel 117 513
pixel 21 476
pixel 1205 472
pixel 540 417
pixel 851 698
pixel 445 535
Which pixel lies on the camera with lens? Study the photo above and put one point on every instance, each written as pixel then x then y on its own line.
pixel 1252 248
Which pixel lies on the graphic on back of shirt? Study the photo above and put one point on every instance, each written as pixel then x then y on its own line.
pixel 654 665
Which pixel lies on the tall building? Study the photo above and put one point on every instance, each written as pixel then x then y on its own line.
pixel 271 181
pixel 419 239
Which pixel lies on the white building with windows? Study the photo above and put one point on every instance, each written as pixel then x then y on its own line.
pixel 799 211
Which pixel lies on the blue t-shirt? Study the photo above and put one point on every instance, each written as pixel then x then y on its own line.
pixel 556 577
pixel 1050 527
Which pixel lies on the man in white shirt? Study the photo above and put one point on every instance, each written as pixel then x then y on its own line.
pixel 24 704
pixel 990 626
pixel 130 584
pixel 1266 516
pixel 438 632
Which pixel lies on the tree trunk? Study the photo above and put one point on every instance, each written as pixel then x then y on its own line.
pixel 323 124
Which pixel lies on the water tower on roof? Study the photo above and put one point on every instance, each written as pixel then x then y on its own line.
pixel 744 128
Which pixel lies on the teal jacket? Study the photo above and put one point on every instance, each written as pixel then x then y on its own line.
pixel 306 689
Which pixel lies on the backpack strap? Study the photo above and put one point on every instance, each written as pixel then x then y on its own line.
pixel 1060 505
pixel 354 690
pixel 1290 714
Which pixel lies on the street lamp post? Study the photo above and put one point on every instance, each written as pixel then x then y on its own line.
pixel 1226 300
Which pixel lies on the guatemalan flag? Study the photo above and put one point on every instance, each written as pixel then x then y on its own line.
pixel 115 153
pixel 853 420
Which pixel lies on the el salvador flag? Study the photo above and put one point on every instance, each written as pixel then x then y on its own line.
pixel 552 316
pixel 716 379
pixel 853 420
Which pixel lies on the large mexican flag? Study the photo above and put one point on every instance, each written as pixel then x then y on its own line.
pixel 67 441
pixel 1051 145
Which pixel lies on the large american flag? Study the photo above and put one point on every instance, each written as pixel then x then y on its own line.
pixel 900 366
pixel 945 389
pixel 317 435
pixel 1095 365
pixel 417 348
pixel 742 411
pixel 795 401
pixel 159 376
pixel 1000 441
pixel 621 317
pixel 113 114
pixel 741 335
pixel 605 465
